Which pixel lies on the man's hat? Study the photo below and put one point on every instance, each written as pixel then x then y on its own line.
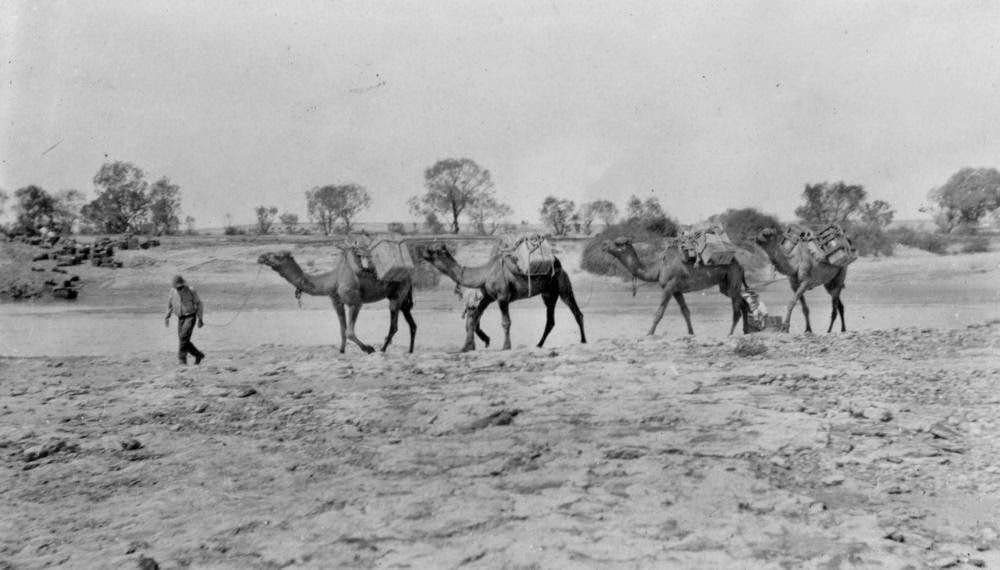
pixel 178 280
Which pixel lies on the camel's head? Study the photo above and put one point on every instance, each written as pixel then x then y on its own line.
pixel 766 236
pixel 275 259
pixel 618 245
pixel 434 251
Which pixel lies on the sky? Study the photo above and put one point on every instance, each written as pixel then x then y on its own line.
pixel 704 105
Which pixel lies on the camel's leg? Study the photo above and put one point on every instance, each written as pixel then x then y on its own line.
pixel 667 294
pixel 483 336
pixel 836 306
pixel 800 292
pixel 805 313
pixel 342 318
pixel 737 311
pixel 352 317
pixel 550 315
pixel 472 323
pixel 409 321
pixel 505 321
pixel 684 310
pixel 567 297
pixel 393 322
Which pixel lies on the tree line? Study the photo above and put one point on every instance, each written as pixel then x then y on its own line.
pixel 459 193
pixel 125 202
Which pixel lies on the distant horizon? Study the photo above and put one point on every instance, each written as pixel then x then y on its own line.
pixel 704 106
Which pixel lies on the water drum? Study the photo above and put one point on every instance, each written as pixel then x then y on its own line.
pixel 835 247
pixel 716 249
pixel 391 260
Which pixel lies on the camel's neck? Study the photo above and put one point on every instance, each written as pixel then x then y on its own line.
pixel 294 275
pixel 472 277
pixel 777 257
pixel 630 259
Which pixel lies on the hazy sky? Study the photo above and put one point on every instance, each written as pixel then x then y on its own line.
pixel 706 105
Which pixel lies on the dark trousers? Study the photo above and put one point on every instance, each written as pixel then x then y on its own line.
pixel 185 327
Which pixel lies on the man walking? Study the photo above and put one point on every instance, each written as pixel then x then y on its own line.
pixel 185 302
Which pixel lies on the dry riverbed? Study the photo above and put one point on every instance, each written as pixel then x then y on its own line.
pixel 872 448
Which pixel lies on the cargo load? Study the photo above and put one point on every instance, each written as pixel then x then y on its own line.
pixel 391 260
pixel 835 247
pixel 708 245
pixel 385 260
pixel 531 254
pixel 829 245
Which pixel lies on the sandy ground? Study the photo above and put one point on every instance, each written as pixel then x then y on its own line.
pixel 875 448
pixel 864 449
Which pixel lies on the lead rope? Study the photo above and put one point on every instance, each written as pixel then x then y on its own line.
pixel 253 289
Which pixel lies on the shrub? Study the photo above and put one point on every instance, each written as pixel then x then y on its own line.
pixel 979 244
pixel 927 241
pixel 743 225
pixel 397 228
pixel 748 346
pixel 234 231
pixel 870 240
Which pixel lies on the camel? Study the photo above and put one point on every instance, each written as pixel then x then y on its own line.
pixel 346 287
pixel 805 272
pixel 676 277
pixel 499 282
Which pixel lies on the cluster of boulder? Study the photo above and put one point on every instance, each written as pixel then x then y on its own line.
pixel 60 252
pixel 101 253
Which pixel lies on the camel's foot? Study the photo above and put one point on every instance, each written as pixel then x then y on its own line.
pixel 367 349
pixel 468 348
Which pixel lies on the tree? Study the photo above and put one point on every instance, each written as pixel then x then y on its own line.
pixel 189 225
pixel 122 201
pixel 556 213
pixel 453 185
pixel 289 220
pixel 650 215
pixel 165 206
pixel 432 224
pixel 265 218
pixel 68 204
pixel 742 225
pixel 487 214
pixel 3 200
pixel 34 208
pixel 969 194
pixel 330 203
pixel 603 210
pixel 868 232
pixel 827 203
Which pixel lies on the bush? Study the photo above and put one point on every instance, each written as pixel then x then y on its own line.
pixel 927 241
pixel 870 240
pixel 397 228
pixel 976 245
pixel 234 231
pixel 743 225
